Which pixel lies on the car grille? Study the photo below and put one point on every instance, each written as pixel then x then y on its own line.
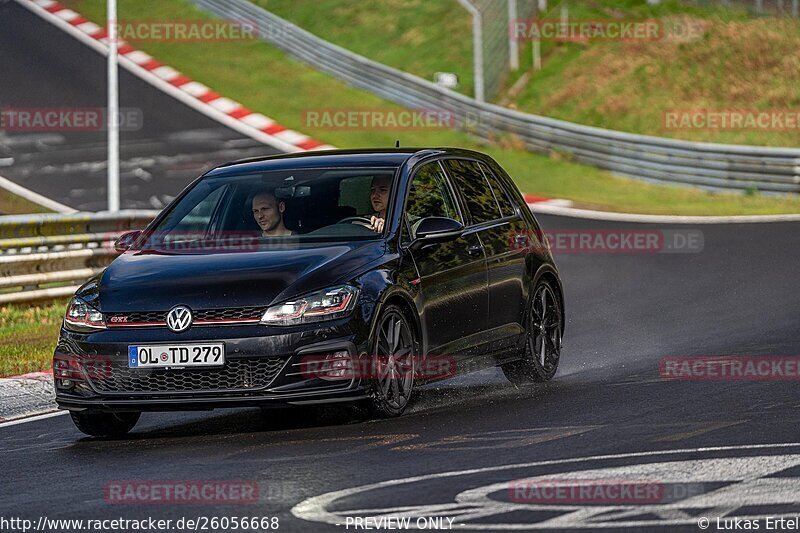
pixel 230 314
pixel 236 375
pixel 200 317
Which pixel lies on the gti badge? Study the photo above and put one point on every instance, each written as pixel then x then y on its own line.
pixel 179 318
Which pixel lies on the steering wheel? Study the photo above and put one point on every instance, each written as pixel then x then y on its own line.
pixel 361 221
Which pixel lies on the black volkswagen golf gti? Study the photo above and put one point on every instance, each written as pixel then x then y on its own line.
pixel 339 276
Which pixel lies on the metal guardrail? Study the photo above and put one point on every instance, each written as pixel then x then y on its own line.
pixel 49 256
pixel 709 165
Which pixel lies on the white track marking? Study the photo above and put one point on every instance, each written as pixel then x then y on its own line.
pixel 32 419
pixel 315 508
pixel 543 208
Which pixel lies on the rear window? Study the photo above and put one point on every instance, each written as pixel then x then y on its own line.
pixel 477 193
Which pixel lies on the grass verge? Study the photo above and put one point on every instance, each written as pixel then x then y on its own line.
pixel 11 204
pixel 417 36
pixel 28 335
pixel 264 79
pixel 731 64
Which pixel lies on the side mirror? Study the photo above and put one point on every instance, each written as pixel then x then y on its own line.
pixel 125 240
pixel 432 230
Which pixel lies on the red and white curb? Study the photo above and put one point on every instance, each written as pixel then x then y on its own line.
pixel 534 201
pixel 169 80
pixel 25 396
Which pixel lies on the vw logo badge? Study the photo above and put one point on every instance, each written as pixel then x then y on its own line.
pixel 179 318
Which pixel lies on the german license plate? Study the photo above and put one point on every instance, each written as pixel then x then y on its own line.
pixel 176 355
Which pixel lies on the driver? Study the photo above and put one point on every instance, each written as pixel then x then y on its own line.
pixel 379 196
pixel 268 213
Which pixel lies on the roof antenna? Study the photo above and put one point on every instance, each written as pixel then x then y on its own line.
pixel 397 143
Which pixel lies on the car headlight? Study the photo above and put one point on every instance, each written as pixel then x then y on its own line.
pixel 335 302
pixel 83 317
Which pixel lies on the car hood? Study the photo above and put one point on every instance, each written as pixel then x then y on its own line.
pixel 156 281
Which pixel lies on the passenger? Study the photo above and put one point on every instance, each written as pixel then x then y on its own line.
pixel 268 213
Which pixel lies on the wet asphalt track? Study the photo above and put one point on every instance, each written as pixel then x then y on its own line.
pixel 625 312
pixel 168 146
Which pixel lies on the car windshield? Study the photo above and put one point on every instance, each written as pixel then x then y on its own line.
pixel 276 208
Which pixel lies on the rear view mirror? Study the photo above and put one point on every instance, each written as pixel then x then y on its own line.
pixel 436 229
pixel 300 191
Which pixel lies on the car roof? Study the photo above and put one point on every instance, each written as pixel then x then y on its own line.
pixel 382 157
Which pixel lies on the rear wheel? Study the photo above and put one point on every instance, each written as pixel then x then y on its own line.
pixel 104 424
pixel 543 344
pixel 392 363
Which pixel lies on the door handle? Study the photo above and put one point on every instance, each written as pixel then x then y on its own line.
pixel 474 249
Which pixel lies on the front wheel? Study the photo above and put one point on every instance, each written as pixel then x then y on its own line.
pixel 393 360
pixel 104 424
pixel 543 343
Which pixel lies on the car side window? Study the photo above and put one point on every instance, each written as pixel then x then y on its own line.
pixel 429 196
pixel 500 193
pixel 478 195
pixel 197 223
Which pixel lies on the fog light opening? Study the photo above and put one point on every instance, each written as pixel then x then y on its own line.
pixel 336 366
pixel 68 371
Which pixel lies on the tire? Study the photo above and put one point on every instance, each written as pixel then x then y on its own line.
pixel 543 339
pixel 97 424
pixel 393 360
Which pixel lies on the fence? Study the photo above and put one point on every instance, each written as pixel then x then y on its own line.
pixel 49 256
pixel 493 51
pixel 715 166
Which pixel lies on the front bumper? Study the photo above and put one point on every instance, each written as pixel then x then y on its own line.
pixel 263 367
